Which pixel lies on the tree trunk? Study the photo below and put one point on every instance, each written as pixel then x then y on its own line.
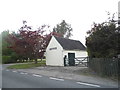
pixel 41 58
pixel 35 61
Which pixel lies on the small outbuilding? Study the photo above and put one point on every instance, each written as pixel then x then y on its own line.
pixel 60 49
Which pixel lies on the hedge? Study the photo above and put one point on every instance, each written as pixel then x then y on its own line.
pixel 8 59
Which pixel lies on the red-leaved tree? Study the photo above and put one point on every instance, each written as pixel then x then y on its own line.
pixel 28 43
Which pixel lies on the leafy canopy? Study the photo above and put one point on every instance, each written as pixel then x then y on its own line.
pixel 103 40
pixel 28 43
pixel 63 29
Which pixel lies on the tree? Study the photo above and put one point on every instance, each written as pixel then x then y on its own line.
pixel 29 43
pixel 103 40
pixel 63 29
pixel 8 55
pixel 5 50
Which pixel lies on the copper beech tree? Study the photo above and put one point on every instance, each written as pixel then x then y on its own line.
pixel 28 43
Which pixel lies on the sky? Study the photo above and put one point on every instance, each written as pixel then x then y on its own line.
pixel 79 13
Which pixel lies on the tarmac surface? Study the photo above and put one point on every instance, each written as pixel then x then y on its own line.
pixel 72 73
pixel 76 73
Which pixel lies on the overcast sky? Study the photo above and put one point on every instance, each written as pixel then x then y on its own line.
pixel 79 13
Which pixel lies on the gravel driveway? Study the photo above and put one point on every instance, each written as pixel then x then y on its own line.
pixel 67 69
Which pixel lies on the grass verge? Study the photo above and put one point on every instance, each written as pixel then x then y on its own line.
pixel 25 66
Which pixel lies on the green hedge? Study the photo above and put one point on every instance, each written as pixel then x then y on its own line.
pixel 8 59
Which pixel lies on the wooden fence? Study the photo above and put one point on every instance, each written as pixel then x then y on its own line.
pixel 104 66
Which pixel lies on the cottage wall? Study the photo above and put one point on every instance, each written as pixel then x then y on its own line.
pixel 54 55
pixel 77 53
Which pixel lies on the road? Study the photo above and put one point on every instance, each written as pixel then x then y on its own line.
pixel 17 79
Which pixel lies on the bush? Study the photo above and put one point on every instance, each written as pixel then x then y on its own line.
pixel 14 57
pixel 8 59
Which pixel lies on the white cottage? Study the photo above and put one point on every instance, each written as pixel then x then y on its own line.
pixel 59 48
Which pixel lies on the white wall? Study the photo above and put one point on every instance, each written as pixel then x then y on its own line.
pixel 54 57
pixel 77 53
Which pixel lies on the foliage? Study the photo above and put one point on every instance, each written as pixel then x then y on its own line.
pixel 28 43
pixel 63 29
pixel 103 40
pixel 6 59
pixel 8 55
pixel 5 50
pixel 0 48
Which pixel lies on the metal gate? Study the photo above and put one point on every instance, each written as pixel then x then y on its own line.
pixel 78 61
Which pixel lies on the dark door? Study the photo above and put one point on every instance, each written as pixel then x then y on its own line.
pixel 71 57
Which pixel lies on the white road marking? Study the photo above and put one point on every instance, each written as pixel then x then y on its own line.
pixel 88 84
pixel 23 73
pixel 7 70
pixel 36 75
pixel 56 79
pixel 14 71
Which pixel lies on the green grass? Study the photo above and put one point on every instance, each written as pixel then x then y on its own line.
pixel 25 61
pixel 27 65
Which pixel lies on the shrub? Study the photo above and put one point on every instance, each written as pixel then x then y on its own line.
pixel 6 59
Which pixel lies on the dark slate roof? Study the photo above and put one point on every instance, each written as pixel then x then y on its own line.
pixel 69 44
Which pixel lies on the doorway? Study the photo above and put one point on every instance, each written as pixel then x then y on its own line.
pixel 71 57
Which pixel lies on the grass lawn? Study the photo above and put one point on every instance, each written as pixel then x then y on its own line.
pixel 27 65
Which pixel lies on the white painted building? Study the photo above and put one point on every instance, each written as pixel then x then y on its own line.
pixel 59 47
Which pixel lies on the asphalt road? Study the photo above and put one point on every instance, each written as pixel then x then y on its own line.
pixel 17 79
pixel 13 79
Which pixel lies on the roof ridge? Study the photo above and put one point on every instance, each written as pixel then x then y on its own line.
pixel 66 38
